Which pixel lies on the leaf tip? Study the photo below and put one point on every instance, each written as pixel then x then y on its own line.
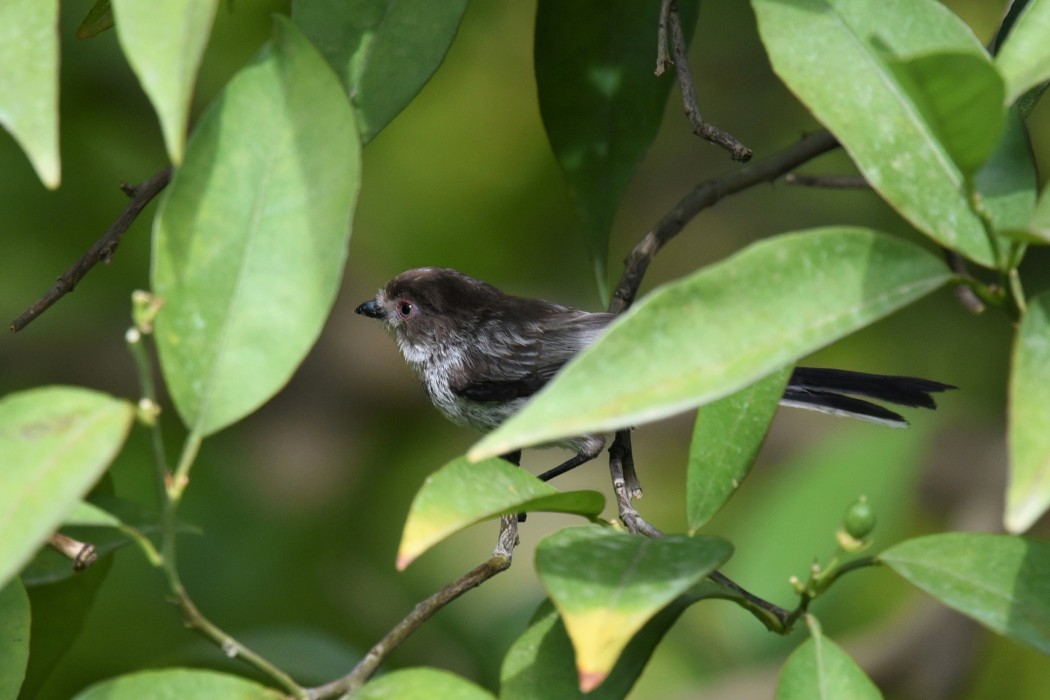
pixel 404 559
pixel 589 680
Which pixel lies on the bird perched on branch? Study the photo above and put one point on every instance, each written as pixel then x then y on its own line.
pixel 481 354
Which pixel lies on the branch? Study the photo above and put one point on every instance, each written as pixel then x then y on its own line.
pixel 708 132
pixel 103 249
pixel 704 195
pixel 830 182
pixel 421 613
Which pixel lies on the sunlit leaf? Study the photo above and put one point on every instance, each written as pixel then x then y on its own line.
pixel 820 670
pixel 249 243
pixel 1028 495
pixel 421 683
pixel 726 439
pixel 1002 581
pixel 705 336
pixel 1024 58
pixel 461 494
pixel 164 42
pixel 836 56
pixel 181 683
pixel 540 662
pixel 1039 224
pixel 14 638
pixel 383 50
pixel 607 584
pixel 29 82
pixel 600 101
pixel 56 442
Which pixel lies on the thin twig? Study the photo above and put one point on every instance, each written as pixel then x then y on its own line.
pixel 965 295
pixel 102 250
pixel 82 554
pixel 662 58
pixel 829 182
pixel 704 195
pixel 420 614
pixel 708 132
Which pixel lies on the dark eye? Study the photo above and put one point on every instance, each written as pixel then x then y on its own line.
pixel 405 309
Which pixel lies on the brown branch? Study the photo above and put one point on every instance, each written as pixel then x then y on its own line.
pixel 704 195
pixel 829 182
pixel 662 58
pixel 708 132
pixel 420 614
pixel 102 250
pixel 82 554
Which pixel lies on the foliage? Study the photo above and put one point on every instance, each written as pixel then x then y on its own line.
pixel 251 239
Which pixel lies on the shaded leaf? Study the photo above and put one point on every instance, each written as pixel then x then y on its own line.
pixel 461 494
pixel 607 584
pixel 421 683
pixel 1002 581
pixel 182 683
pixel 384 51
pixel 1024 58
pixel 1028 494
pixel 164 42
pixel 14 638
pixel 250 241
pixel 820 670
pixel 961 98
pixel 1039 225
pixel 705 336
pixel 56 442
pixel 1006 184
pixel 59 613
pixel 600 102
pixel 98 19
pixel 726 438
pixel 835 56
pixel 29 82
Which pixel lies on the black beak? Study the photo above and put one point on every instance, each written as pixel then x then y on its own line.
pixel 371 309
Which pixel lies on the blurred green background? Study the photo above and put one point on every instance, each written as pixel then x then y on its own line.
pixel 301 504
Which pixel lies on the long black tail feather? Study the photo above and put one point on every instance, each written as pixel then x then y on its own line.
pixel 828 390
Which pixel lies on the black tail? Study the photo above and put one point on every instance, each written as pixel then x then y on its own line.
pixel 828 390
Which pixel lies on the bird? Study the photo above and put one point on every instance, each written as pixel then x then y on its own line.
pixel 481 354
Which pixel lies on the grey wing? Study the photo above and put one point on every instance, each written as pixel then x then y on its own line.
pixel 516 359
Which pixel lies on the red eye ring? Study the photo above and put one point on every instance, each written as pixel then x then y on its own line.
pixel 405 309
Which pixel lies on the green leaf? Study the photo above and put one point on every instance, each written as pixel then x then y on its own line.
pixel 707 335
pixel 820 670
pixel 607 584
pixel 961 98
pixel 1002 581
pixel 540 662
pixel 600 102
pixel 1024 58
pixel 98 19
pixel 384 51
pixel 164 42
pixel 836 55
pixel 88 514
pixel 56 442
pixel 59 612
pixel 1039 224
pixel 181 683
pixel 421 683
pixel 249 243
pixel 461 494
pixel 1006 185
pixel 726 438
pixel 1028 494
pixel 29 82
pixel 14 638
